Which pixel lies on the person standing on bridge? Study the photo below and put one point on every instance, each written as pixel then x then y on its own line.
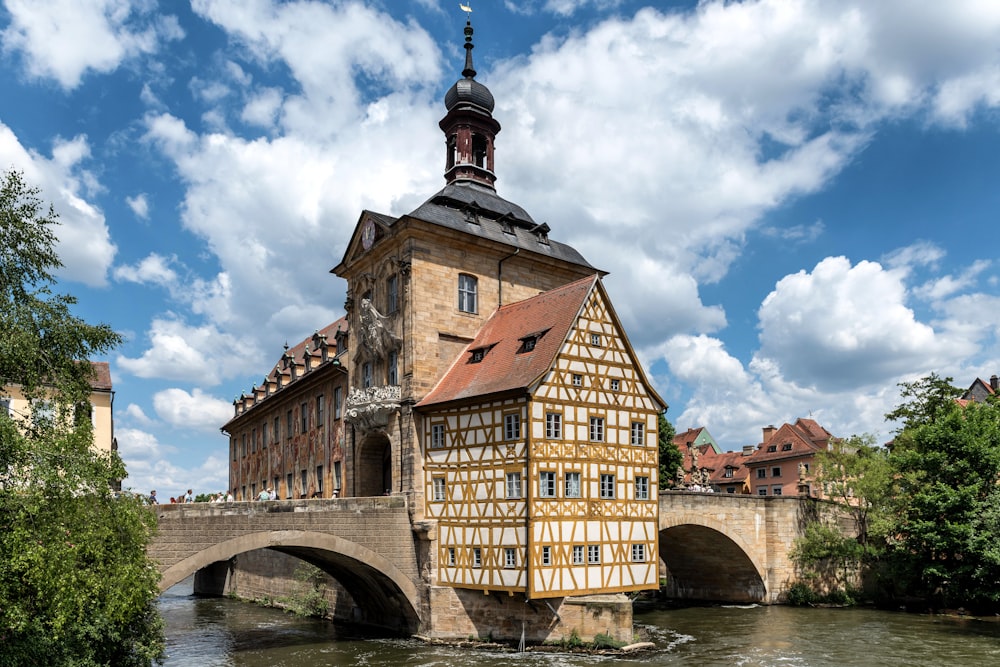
pixel 152 497
pixel 189 498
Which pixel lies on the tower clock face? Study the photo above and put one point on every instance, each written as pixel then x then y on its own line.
pixel 368 235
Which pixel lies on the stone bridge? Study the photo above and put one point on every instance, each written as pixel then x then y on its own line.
pixel 731 548
pixel 366 544
pixel 720 547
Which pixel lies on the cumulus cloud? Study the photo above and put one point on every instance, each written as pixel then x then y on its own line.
pixel 64 39
pixel 192 353
pixel 196 410
pixel 153 269
pixel 139 205
pixel 83 241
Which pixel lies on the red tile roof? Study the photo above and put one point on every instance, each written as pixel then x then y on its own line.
pixel 804 438
pixel 506 366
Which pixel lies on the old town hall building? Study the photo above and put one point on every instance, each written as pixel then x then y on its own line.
pixel 486 377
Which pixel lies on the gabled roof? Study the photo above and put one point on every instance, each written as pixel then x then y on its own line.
pixel 804 438
pixel 506 365
pixel 720 462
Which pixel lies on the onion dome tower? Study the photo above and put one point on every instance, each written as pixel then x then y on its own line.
pixel 469 126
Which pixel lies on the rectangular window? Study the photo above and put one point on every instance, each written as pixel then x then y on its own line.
pixel 577 380
pixel 276 488
pixel 263 436
pixel 336 477
pixel 288 486
pixel 511 426
pixel 305 480
pixel 553 425
pixel 467 289
pixel 245 446
pixel 366 375
pixel 775 490
pixel 787 447
pixel 597 429
pixel 762 491
pixel 437 435
pixel 642 488
pixel 440 492
pixel 638 553
pixel 510 558
pixel 451 556
pixel 572 485
pixel 607 486
pixel 577 554
pixel 277 430
pixel 319 410
pixel 546 555
pixel 513 485
pixel 393 371
pixel 638 434
pixel 761 473
pixel 728 473
pixel 477 557
pixel 338 393
pixel 289 424
pixel 392 294
pixel 253 440
pixel 319 480
pixel 547 484
pixel 595 339
pixel 593 554
pixel 303 417
pixel 615 384
pixel 776 471
pixel 234 447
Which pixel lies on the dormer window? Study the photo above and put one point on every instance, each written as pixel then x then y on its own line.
pixel 528 344
pixel 477 355
pixel 772 448
pixel 506 222
pixel 542 231
pixel 787 447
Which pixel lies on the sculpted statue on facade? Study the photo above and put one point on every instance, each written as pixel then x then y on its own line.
pixel 375 334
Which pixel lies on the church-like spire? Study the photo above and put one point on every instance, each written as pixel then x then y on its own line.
pixel 469 126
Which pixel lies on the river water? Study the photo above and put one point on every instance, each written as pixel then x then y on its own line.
pixel 213 632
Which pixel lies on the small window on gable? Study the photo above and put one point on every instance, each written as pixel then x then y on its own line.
pixel 615 384
pixel 595 339
pixel 577 380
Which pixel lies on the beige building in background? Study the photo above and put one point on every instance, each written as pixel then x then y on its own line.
pixel 13 402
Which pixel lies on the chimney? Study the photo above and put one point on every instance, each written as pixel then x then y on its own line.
pixel 747 450
pixel 768 432
pixel 994 382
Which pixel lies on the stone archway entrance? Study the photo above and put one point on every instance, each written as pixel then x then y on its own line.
pixel 374 466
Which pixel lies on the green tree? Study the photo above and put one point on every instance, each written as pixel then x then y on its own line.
pixel 942 544
pixel 76 586
pixel 670 455
pixel 923 401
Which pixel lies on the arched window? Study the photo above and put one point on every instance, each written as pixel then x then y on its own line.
pixel 479 150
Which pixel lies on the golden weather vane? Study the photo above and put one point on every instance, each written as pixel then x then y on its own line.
pixel 465 8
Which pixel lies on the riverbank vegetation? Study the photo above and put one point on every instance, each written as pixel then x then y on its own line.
pixel 925 509
pixel 76 587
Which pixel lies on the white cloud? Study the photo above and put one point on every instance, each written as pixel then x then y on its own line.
pixel 135 415
pixel 200 354
pixel 196 410
pixel 63 39
pixel 139 205
pixel 84 243
pixel 153 269
pixel 844 325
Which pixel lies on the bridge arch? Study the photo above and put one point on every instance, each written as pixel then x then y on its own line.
pixel 388 597
pixel 708 560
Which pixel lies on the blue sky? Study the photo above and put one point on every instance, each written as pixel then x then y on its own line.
pixel 795 199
